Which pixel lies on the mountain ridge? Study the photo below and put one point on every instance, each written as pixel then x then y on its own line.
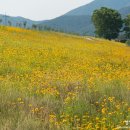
pixel 87 27
pixel 95 4
pixel 17 20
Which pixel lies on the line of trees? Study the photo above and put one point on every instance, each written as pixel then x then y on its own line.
pixel 109 23
pixel 24 25
pixel 18 24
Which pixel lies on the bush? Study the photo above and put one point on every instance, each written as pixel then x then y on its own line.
pixel 128 42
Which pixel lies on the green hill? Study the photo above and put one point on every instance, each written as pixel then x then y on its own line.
pixel 17 21
pixel 89 8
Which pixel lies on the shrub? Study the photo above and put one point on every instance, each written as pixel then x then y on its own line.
pixel 128 42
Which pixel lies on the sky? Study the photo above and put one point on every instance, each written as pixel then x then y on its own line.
pixel 39 9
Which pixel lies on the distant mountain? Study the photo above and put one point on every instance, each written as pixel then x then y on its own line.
pixel 79 20
pixel 96 4
pixel 125 11
pixel 81 24
pixel 17 21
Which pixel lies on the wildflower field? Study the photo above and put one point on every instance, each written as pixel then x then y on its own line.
pixel 54 81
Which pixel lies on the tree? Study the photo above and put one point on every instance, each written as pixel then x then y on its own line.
pixel 20 25
pixel 34 26
pixel 17 24
pixel 47 28
pixel 127 26
pixel 9 23
pixel 108 23
pixel 1 21
pixel 39 27
pixel 25 24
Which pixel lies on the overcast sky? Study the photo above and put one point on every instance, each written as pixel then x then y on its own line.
pixel 39 9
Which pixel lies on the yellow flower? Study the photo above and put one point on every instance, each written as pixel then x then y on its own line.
pixel 111 99
pixel 30 105
pixel 36 109
pixel 104 110
pixel 19 99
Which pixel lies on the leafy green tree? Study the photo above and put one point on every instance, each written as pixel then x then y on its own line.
pixel 1 21
pixel 108 23
pixel 25 24
pixel 47 28
pixel 39 27
pixel 9 23
pixel 20 25
pixel 34 26
pixel 127 26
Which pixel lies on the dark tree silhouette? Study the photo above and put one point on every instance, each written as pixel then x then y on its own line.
pixel 34 26
pixel 9 23
pixel 25 24
pixel 1 21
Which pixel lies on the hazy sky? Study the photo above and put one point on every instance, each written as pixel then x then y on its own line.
pixel 39 9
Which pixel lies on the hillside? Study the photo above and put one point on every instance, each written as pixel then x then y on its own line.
pixel 56 81
pixel 96 4
pixel 17 20
pixel 75 24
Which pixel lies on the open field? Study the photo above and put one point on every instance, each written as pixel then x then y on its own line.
pixel 53 81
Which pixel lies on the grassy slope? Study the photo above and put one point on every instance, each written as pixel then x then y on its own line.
pixel 56 81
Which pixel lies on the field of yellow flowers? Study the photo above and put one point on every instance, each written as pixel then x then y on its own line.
pixel 54 81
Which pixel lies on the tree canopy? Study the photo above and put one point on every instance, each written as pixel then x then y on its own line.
pixel 108 22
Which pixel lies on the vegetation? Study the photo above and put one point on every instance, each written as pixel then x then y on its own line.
pixel 34 26
pixel 127 26
pixel 1 21
pixel 9 23
pixel 108 23
pixel 55 81
pixel 128 42
pixel 47 28
pixel 25 24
